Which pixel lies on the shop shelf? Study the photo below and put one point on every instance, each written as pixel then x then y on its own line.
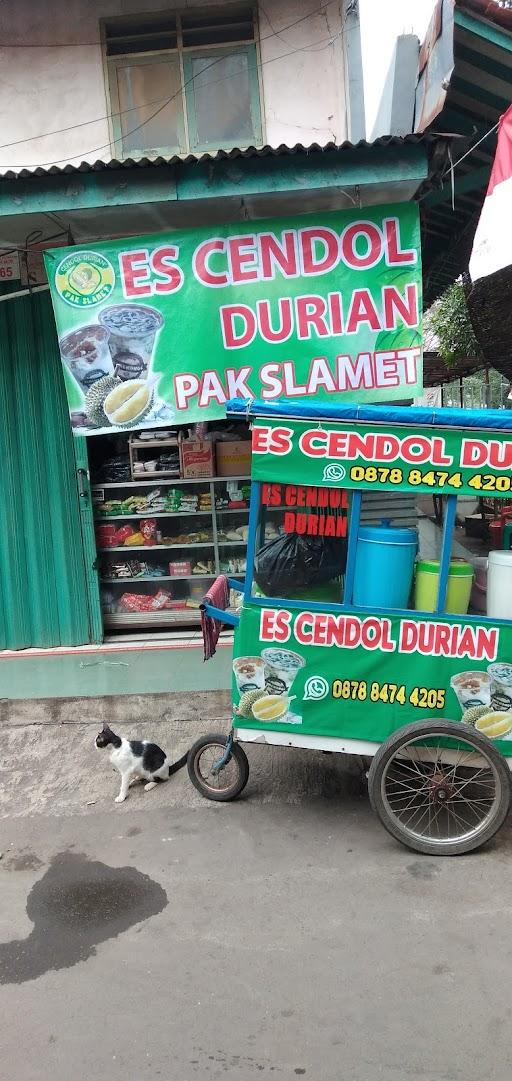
pixel 158 547
pixel 163 473
pixel 154 442
pixel 234 510
pixel 187 549
pixel 161 578
pixel 163 618
pixel 182 480
pixel 150 513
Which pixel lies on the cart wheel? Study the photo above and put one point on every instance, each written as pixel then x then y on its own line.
pixel 228 782
pixel 440 787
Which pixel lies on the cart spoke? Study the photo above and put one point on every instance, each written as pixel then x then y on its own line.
pixel 423 808
pixel 458 818
pixel 405 788
pixel 474 780
pixel 215 779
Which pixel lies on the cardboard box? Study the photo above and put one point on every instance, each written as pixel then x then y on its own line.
pixel 196 458
pixel 233 458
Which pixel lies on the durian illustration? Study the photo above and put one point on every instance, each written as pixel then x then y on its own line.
pixel 473 714
pixel 85 278
pixel 247 701
pixel 129 403
pixel 95 398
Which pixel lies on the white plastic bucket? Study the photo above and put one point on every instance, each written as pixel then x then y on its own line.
pixel 499 585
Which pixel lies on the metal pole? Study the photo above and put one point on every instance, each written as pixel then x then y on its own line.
pixel 254 508
pixel 353 533
pixel 446 551
pixel 24 292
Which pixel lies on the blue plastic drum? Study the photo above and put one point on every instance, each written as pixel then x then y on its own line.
pixel 384 571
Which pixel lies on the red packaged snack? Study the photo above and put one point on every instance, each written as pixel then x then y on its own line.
pixel 135 602
pixel 124 532
pixel 148 529
pixel 106 536
pixel 161 599
pixel 141 602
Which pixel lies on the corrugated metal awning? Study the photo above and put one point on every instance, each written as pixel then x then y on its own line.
pixel 266 151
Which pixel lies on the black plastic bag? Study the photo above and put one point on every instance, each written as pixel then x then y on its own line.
pixel 293 561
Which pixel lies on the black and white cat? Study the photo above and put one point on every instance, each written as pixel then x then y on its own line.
pixel 137 760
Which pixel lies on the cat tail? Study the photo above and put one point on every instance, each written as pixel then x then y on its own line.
pixel 178 765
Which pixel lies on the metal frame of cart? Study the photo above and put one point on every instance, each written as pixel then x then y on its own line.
pixel 461 772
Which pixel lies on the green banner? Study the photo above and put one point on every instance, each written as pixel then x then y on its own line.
pixel 353 676
pixel 373 457
pixel 167 328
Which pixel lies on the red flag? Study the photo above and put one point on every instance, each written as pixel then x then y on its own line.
pixel 492 246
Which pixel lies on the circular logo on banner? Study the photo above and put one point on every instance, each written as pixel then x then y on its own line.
pixel 84 278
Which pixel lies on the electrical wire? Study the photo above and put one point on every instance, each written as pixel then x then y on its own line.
pixel 279 33
pixel 166 102
pixel 162 102
pixel 453 165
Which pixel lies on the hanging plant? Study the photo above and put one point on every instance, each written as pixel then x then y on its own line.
pixel 449 319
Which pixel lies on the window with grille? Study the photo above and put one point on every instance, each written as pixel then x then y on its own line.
pixel 183 82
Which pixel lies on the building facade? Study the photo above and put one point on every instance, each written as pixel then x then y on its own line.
pixel 82 82
pixel 140 118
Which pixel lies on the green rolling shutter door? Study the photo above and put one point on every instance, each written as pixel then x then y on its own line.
pixel 48 589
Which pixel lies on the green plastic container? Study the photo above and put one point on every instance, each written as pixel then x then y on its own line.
pixel 460 580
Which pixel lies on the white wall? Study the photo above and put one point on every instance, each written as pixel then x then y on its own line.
pixel 381 23
pixel 48 87
pixel 303 91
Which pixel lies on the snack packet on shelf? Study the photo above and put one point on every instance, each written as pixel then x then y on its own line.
pixel 142 602
pixel 124 534
pixel 148 530
pixel 135 539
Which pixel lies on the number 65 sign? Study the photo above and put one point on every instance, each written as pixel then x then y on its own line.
pixel 9 266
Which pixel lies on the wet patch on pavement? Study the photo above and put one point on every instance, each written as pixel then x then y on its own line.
pixel 24 861
pixel 76 905
pixel 423 869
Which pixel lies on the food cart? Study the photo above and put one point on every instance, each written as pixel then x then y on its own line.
pixel 332 652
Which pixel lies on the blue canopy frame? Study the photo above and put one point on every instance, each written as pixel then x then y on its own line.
pixel 495 420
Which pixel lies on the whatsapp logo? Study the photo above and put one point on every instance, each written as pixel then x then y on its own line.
pixel 333 472
pixel 316 688
pixel 84 278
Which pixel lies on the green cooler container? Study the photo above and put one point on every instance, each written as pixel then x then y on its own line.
pixel 460 580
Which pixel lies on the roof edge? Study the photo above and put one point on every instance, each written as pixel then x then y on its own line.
pixel 267 151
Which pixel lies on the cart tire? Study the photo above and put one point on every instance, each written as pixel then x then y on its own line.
pixel 230 781
pixel 427 805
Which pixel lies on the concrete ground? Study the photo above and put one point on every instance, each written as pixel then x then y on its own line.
pixel 285 935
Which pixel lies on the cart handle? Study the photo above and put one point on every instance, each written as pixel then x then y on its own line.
pixel 220 614
pixel 238 586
